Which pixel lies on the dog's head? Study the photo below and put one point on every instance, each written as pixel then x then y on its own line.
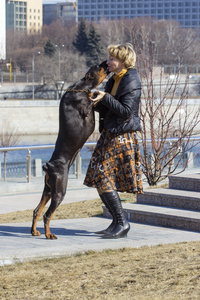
pixel 96 74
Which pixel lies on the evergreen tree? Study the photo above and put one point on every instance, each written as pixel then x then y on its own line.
pixel 49 49
pixel 81 38
pixel 95 49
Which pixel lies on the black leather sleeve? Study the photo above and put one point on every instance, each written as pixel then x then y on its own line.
pixel 126 104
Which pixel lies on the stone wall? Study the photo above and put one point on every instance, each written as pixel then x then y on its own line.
pixel 36 121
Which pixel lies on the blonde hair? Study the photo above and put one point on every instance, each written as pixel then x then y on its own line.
pixel 123 52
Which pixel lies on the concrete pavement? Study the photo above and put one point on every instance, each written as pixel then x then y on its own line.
pixel 75 235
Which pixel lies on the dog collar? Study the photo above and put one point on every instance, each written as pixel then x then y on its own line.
pixel 76 91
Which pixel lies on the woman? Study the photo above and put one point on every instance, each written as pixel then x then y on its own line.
pixel 115 163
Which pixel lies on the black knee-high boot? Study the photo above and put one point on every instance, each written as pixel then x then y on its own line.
pixel 112 225
pixel 121 226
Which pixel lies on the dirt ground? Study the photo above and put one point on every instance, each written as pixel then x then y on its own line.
pixel 159 272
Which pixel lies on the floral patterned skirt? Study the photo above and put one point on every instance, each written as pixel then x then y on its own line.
pixel 116 163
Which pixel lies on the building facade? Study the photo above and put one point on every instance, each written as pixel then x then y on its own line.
pixel 24 15
pixel 185 12
pixel 3 30
pixel 34 16
pixel 62 11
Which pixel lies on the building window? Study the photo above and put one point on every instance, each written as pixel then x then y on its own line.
pixel 113 12
pixel 133 5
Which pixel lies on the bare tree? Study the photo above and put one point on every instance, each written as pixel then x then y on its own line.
pixel 165 110
pixel 9 136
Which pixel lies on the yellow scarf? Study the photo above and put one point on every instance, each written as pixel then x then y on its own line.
pixel 117 78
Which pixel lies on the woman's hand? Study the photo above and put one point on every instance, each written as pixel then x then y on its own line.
pixel 97 96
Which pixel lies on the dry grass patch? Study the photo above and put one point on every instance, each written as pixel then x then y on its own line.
pixel 82 209
pixel 162 272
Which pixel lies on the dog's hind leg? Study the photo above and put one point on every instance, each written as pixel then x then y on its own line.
pixel 55 202
pixel 46 196
pixel 58 189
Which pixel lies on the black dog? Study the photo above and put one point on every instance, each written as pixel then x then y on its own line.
pixel 76 124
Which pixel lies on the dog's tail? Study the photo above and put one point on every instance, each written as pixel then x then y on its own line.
pixel 47 169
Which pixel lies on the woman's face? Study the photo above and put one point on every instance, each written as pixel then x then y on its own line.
pixel 114 65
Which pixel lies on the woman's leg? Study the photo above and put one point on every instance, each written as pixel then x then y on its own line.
pixel 120 226
pixel 106 203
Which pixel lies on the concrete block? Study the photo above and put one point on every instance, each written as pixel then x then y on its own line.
pixel 38 167
pixel 171 198
pixel 161 216
pixel 188 182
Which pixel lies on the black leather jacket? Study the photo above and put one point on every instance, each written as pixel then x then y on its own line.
pixel 119 114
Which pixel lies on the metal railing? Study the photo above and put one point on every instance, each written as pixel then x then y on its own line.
pixel 42 147
pixel 77 168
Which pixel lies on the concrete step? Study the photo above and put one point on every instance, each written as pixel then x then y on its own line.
pixel 188 182
pixel 160 216
pixel 170 198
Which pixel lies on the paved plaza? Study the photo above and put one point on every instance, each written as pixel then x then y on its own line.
pixel 74 235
